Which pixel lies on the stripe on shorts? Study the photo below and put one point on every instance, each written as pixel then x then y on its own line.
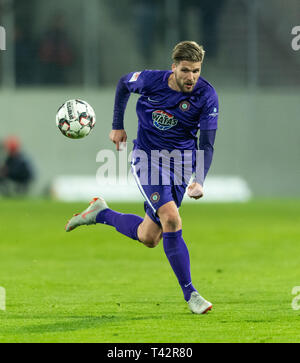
pixel 140 186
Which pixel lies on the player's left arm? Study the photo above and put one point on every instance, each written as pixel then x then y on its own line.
pixel 206 143
pixel 208 126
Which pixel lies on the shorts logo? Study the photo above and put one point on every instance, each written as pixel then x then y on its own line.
pixel 185 106
pixel 163 120
pixel 155 197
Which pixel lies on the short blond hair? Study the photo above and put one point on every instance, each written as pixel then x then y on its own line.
pixel 188 51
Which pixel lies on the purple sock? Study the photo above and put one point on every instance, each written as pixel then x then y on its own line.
pixel 126 224
pixel 178 256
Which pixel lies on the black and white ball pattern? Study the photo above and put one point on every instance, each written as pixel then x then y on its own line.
pixel 75 119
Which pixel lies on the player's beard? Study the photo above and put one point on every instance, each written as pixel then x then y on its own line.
pixel 182 85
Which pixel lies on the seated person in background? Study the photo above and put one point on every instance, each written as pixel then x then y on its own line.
pixel 15 171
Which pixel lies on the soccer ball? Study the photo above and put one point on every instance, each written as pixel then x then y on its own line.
pixel 75 119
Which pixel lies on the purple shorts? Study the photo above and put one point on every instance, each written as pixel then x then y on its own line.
pixel 157 195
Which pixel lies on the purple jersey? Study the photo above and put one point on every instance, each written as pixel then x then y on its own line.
pixel 168 119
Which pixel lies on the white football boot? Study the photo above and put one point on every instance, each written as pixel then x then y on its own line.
pixel 198 304
pixel 88 216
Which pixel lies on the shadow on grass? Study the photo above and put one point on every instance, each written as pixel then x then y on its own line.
pixel 67 324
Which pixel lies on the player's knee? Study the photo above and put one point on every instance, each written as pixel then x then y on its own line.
pixel 151 244
pixel 171 222
pixel 151 241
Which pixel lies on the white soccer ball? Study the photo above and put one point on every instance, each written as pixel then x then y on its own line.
pixel 75 119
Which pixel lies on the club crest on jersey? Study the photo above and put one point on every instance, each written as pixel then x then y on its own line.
pixel 163 120
pixel 184 106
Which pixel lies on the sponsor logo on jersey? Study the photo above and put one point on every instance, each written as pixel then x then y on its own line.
pixel 184 106
pixel 135 76
pixel 163 120
pixel 214 113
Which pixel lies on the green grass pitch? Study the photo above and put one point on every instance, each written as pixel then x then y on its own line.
pixel 95 285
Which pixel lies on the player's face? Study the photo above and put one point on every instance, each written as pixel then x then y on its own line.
pixel 186 75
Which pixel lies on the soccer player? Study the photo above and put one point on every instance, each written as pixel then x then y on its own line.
pixel 172 108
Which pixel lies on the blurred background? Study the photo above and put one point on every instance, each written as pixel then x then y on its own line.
pixel 66 49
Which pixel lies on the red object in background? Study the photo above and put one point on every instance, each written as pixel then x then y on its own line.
pixel 12 144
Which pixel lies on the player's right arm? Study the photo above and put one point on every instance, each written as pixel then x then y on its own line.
pixel 132 82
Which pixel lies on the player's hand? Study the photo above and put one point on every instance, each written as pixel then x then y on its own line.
pixel 195 191
pixel 118 137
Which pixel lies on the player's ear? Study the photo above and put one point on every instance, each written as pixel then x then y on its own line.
pixel 173 67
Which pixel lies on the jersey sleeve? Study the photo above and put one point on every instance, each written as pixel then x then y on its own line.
pixel 206 144
pixel 208 119
pixel 137 82
pixel 134 82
